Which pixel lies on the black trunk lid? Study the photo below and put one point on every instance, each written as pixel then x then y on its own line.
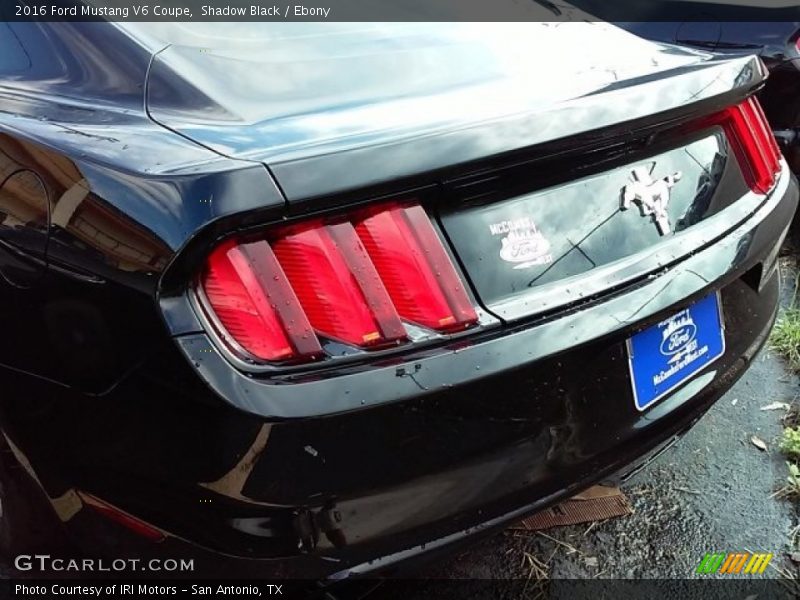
pixel 529 250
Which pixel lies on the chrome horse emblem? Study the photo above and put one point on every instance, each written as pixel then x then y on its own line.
pixel 651 195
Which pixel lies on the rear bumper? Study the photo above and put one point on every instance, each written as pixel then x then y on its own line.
pixel 448 446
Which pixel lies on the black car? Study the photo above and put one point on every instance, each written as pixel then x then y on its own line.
pixel 310 300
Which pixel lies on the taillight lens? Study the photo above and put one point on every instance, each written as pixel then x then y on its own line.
pixel 337 285
pixel 255 304
pixel 353 280
pixel 752 141
pixel 420 278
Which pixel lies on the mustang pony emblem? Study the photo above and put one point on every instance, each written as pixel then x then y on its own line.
pixel 651 196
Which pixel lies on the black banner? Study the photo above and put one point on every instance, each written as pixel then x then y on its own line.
pixel 400 10
pixel 730 588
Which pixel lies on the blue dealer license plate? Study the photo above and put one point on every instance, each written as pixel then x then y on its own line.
pixel 667 354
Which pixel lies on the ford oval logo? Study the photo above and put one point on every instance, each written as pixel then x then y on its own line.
pixel 678 339
pixel 524 245
pixel 524 250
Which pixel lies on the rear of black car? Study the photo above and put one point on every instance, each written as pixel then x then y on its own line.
pixel 532 396
pixel 439 332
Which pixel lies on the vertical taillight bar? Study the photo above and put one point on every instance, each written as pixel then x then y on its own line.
pixel 255 305
pixel 337 286
pixel 369 282
pixel 415 268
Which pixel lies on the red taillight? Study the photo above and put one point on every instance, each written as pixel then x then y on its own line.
pixel 419 275
pixel 255 304
pixel 753 143
pixel 349 280
pixel 337 285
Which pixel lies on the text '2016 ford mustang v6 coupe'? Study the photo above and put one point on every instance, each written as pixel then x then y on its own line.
pixel 308 300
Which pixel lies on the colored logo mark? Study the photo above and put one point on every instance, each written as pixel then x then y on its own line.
pixel 734 563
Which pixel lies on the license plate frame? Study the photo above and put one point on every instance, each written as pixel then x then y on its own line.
pixel 667 354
